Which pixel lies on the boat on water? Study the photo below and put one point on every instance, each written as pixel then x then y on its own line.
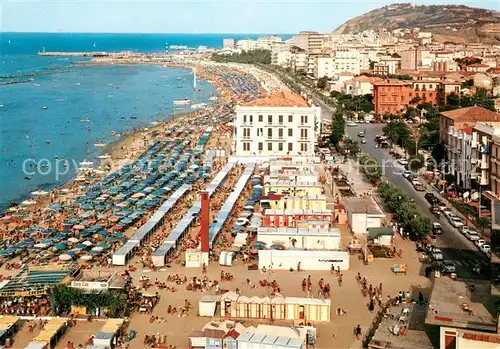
pixel 28 202
pixel 85 163
pixel 77 84
pixel 179 78
pixel 110 96
pixel 133 117
pixel 154 123
pixel 99 145
pixel 182 102
pixel 44 108
pixel 1 105
pixel 84 120
pixel 39 193
pixel 36 85
pixel 104 157
pixel 214 98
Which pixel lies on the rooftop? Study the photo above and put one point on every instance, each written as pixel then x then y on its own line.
pixel 363 205
pixel 413 316
pixel 346 73
pixel 456 303
pixel 472 114
pixel 279 99
pixel 478 65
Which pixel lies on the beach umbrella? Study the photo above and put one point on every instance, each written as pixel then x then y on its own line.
pixel 97 249
pixel 80 247
pixel 277 247
pixel 117 227
pixel 87 243
pixel 60 246
pixel 259 245
pixel 86 258
pixel 40 245
pixel 104 245
pixel 65 257
pixel 114 218
pixel 79 227
pixel 60 236
pixel 249 207
pixel 55 207
pixel 72 240
pixel 258 186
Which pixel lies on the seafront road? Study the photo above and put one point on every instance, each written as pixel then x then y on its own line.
pixel 454 245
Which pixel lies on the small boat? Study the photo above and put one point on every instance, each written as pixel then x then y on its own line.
pixel 99 145
pixel 199 106
pixel 86 163
pixel 77 84
pixel 44 108
pixel 154 123
pixel 1 105
pixel 104 157
pixel 36 85
pixel 182 102
pixel 110 96
pixel 28 202
pixel 84 120
pixel 47 142
pixel 178 78
pixel 39 193
pixel 133 117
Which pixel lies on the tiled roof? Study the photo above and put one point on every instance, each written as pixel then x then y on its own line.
pixel 478 65
pixel 279 99
pixel 346 73
pixel 482 337
pixel 233 334
pixel 472 114
pixel 364 78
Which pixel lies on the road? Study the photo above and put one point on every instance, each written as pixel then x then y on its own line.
pixel 454 245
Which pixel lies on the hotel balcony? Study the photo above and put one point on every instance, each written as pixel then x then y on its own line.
pixel 484 165
pixel 483 180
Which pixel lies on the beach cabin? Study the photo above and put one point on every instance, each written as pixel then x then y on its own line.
pixel 381 236
pixel 108 335
pixel 50 335
pixel 9 325
pixel 282 202
pixel 309 260
pixel 294 188
pixel 276 308
pixel 363 213
pixel 291 218
pixel 208 305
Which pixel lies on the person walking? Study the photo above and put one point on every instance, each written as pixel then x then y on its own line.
pixel 358 332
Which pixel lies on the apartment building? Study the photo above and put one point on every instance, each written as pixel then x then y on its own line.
pixel 391 97
pixel 481 145
pixel 280 124
pixel 494 193
pixel 461 163
pixel 360 85
pixel 324 66
pixel 228 44
pixel 351 61
pixel 462 118
pixel 313 41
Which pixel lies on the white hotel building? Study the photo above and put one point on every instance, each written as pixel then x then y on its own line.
pixel 278 125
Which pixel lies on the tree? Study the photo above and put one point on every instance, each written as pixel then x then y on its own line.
pixel 416 162
pixel 249 57
pixel 338 128
pixel 481 99
pixel 420 227
pixel 352 148
pixel 397 132
pixel 322 82
pixel 371 168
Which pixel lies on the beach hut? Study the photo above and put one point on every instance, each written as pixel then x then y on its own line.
pixel 278 308
pixel 226 258
pixel 228 304
pixel 307 309
pixel 108 335
pixel 207 305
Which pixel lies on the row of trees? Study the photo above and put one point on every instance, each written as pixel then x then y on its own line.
pixel 480 99
pixel 63 297
pixel 249 57
pixel 353 104
pixel 407 213
pixel 371 168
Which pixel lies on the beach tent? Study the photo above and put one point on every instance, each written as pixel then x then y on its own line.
pixel 226 258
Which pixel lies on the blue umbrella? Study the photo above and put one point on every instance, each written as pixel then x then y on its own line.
pixel 60 246
pixel 80 247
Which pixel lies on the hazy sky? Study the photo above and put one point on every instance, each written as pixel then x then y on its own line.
pixel 189 16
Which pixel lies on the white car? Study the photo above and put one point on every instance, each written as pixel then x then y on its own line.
pixel 456 222
pixel 363 141
pixel 472 235
pixel 403 162
pixel 479 242
pixel 485 249
pixel 351 124
pixel 406 174
pixel 361 134
pixel 448 214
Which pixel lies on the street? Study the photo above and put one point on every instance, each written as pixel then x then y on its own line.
pixel 454 245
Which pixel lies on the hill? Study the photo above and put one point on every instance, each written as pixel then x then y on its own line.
pixel 448 23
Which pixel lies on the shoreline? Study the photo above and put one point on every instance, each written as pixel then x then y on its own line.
pixel 127 142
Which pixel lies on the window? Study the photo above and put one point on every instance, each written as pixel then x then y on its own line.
pixel 251 118
pixel 269 133
pixel 261 146
pixel 244 119
pixel 260 132
pixel 290 118
pixel 261 118
pixel 303 147
pixel 290 132
pixel 290 146
pixel 269 119
pixel 303 119
pixel 280 133
pixel 280 146
pixel 280 119
pixel 246 133
pixel 303 133
pixel 246 146
pixel 269 146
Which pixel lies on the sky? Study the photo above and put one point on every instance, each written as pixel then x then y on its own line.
pixel 190 16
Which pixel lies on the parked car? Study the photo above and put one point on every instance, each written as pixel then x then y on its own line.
pixel 471 235
pixel 361 134
pixel 479 242
pixel 363 141
pixel 485 249
pixel 456 222
pixel 448 267
pixel 431 198
pixel 351 124
pixel 447 213
pixel 418 186
pixel 441 205
pixel 406 174
pixel 437 228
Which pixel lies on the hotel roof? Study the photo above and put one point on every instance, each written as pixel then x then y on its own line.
pixel 449 298
pixel 472 114
pixel 279 99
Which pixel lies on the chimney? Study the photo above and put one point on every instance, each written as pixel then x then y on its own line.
pixel 205 219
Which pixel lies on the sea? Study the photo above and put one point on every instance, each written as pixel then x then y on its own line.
pixel 57 109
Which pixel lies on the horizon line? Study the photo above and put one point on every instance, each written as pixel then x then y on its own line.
pixel 153 33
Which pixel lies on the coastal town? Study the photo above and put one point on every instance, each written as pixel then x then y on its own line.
pixel 341 190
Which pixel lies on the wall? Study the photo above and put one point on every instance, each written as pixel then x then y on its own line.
pixel 290 259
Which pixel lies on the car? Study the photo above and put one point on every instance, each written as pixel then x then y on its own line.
pixel 351 124
pixel 448 267
pixel 418 186
pixel 363 141
pixel 471 235
pixel 442 205
pixel 367 121
pixel 447 213
pixel 403 162
pixel 414 180
pixel 361 134
pixel 479 242
pixel 437 256
pixel 406 174
pixel 485 249
pixel 456 222
pixel 464 230
pixel 437 228
pixel 431 198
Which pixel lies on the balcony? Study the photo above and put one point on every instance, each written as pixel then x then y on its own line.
pixel 483 180
pixel 484 165
pixel 484 149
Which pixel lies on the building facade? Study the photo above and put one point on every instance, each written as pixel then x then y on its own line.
pixel 280 124
pixel 228 44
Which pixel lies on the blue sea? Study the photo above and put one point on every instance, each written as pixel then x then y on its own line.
pixel 40 120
